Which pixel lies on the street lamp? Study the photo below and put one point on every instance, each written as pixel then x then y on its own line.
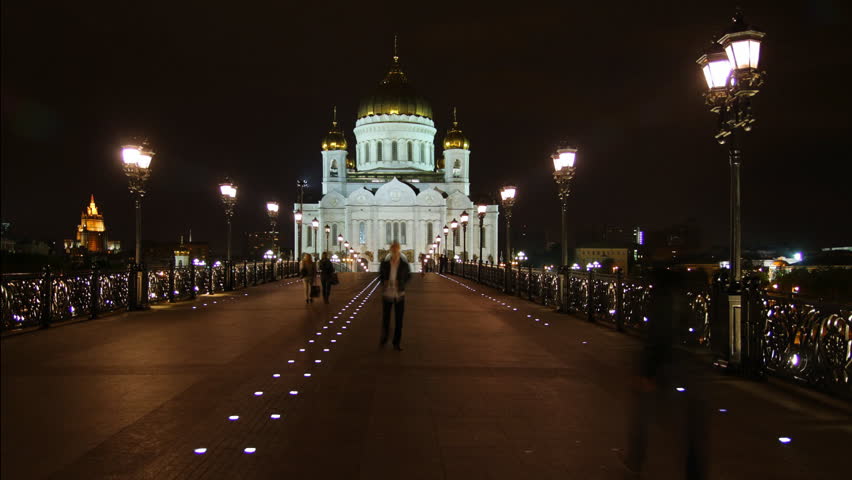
pixel 340 243
pixel 730 68
pixel 464 219
pixel 315 226
pixel 345 246
pixel 272 211
pixel 563 172
pixel 480 212
pixel 454 225
pixel 507 195
pixel 446 245
pixel 137 166
pixel 327 234
pixel 136 157
pixel 297 215
pixel 228 191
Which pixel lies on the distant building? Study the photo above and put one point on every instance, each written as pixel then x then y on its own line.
pixel 91 234
pixel 622 256
pixel 261 242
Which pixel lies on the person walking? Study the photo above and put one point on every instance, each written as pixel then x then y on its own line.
pixel 307 272
pixel 326 270
pixel 394 273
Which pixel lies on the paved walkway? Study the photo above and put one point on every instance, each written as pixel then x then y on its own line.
pixel 481 391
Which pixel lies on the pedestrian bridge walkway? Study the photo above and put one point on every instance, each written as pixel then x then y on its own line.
pixel 258 384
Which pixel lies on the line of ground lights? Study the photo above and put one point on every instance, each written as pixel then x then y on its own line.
pixel 205 304
pixel 337 320
pixel 681 389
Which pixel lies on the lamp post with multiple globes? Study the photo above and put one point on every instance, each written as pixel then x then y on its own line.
pixel 327 234
pixel 454 226
pixel 136 157
pixel 480 212
pixel 446 244
pixel 730 68
pixel 315 226
pixel 507 196
pixel 464 219
pixel 272 210
pixel 228 193
pixel 297 216
pixel 563 172
pixel 340 244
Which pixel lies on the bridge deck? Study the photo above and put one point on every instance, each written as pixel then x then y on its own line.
pixel 481 390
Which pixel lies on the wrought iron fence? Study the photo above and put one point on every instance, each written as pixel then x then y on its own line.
pixel 30 300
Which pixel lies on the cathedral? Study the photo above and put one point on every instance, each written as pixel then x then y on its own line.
pixel 396 189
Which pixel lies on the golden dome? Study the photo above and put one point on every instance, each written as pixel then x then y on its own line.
pixel 350 163
pixel 455 138
pixel 395 96
pixel 334 139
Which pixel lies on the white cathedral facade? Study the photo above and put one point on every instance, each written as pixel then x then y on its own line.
pixel 395 189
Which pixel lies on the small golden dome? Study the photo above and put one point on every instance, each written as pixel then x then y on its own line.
pixel 334 139
pixel 350 163
pixel 439 163
pixel 455 138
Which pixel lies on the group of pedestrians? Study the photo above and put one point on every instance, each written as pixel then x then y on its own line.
pixel 394 274
pixel 308 270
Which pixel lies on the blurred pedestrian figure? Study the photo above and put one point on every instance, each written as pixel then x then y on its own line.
pixel 308 273
pixel 394 273
pixel 327 276
pixel 663 379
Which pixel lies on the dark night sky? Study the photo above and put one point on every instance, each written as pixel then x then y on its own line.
pixel 247 91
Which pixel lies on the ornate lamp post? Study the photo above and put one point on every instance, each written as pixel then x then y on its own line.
pixel 340 243
pixel 446 245
pixel 301 185
pixel 480 212
pixel 345 247
pixel 315 225
pixel 454 226
pixel 730 68
pixel 297 216
pixel 563 172
pixel 228 192
pixel 137 157
pixel 327 233
pixel 464 219
pixel 507 195
pixel 272 210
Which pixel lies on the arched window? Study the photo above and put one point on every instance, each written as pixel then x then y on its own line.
pixel 395 231
pixel 333 169
pixel 394 151
pixel 402 236
pixel 310 241
pixel 457 236
pixel 362 233
pixel 388 237
pixel 333 233
pixel 423 153
pixel 429 232
pixel 410 152
pixel 457 168
pixel 378 151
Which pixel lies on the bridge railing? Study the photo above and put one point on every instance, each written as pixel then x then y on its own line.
pixel 794 338
pixel 610 298
pixel 30 300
